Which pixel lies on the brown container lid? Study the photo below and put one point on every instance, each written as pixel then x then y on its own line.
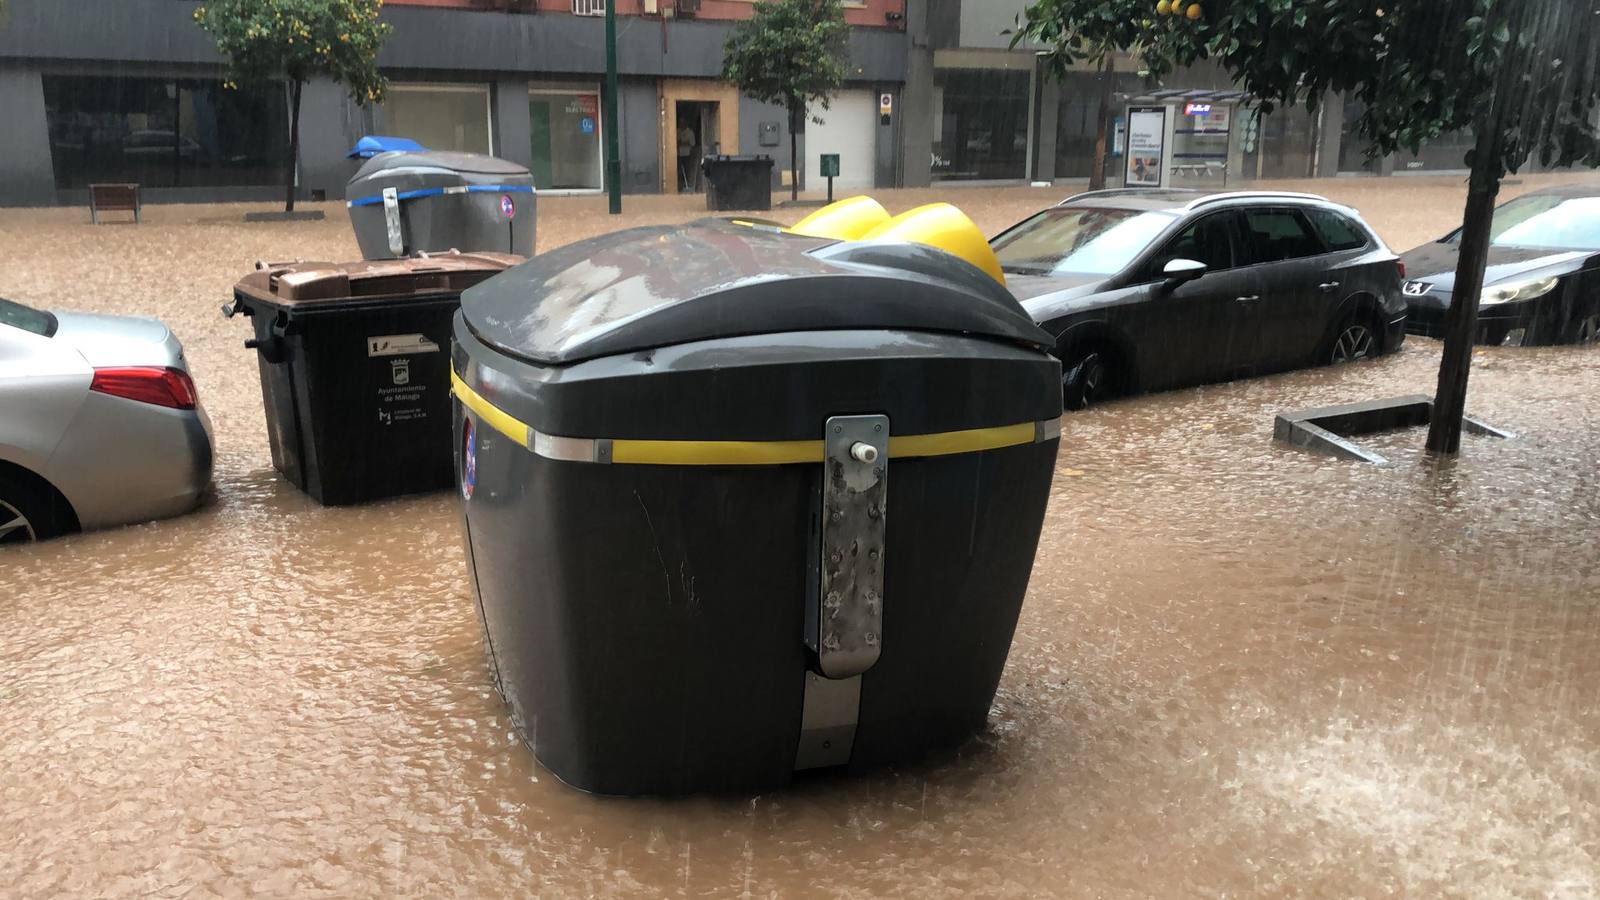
pixel 302 284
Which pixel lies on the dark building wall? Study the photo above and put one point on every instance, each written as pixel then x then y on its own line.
pixel 114 37
pixel 26 176
pixel 914 112
pixel 751 114
pixel 639 121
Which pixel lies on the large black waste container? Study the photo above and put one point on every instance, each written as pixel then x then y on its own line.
pixel 354 363
pixel 405 203
pixel 738 182
pixel 740 502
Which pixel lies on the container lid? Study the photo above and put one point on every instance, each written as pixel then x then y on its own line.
pixel 436 162
pixel 373 144
pixel 657 286
pixel 299 285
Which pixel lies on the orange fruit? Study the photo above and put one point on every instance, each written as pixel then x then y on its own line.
pixel 1193 11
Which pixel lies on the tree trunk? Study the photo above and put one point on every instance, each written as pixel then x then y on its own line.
pixel 1461 322
pixel 1483 186
pixel 295 86
pixel 796 121
pixel 1102 128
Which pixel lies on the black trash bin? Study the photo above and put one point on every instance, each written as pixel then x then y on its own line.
pixel 738 182
pixel 433 201
pixel 354 361
pixel 739 502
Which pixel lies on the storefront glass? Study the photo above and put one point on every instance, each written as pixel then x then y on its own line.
pixel 1281 144
pixel 1077 119
pixel 1445 153
pixel 980 124
pixel 162 132
pixel 439 116
pixel 566 139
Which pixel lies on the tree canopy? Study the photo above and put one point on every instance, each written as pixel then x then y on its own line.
pixel 1074 31
pixel 297 40
pixel 790 52
pixel 1419 68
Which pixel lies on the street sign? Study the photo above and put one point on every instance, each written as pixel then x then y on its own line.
pixel 885 108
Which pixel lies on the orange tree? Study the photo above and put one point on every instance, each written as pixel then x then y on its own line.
pixel 1522 75
pixel 296 40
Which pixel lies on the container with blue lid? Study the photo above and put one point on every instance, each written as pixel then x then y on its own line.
pixel 435 201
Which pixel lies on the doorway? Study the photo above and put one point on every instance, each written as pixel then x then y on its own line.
pixel 709 111
pixel 696 136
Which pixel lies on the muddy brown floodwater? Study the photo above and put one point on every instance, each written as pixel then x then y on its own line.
pixel 1241 669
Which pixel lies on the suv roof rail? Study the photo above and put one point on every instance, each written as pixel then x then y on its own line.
pixel 1110 192
pixel 1253 195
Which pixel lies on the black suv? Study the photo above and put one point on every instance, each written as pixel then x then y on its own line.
pixel 1148 289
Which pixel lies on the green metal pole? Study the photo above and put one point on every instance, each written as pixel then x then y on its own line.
pixel 613 145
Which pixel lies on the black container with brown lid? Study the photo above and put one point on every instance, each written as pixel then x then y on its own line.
pixel 355 369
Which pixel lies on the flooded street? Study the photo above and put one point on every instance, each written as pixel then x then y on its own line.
pixel 1241 669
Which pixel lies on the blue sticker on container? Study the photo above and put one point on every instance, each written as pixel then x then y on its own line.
pixel 469 459
pixel 507 207
pixel 586 125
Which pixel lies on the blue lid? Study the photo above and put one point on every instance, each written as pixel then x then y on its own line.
pixel 373 144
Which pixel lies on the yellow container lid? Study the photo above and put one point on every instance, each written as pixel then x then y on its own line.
pixel 846 220
pixel 941 226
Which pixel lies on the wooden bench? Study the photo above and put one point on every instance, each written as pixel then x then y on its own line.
pixel 113 198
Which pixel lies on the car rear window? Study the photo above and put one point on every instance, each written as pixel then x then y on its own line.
pixel 27 318
pixel 1275 235
pixel 1338 232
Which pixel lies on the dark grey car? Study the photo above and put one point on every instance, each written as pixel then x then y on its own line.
pixel 1150 289
pixel 1541 284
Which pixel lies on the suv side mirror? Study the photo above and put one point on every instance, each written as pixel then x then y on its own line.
pixel 1182 271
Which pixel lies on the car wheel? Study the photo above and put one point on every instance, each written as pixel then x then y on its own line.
pixel 30 512
pixel 1089 377
pixel 1354 340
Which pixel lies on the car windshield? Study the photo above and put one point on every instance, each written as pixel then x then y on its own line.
pixel 1568 224
pixel 1545 221
pixel 1079 241
pixel 27 318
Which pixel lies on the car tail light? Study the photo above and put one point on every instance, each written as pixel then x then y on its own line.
pixel 147 384
pixel 1401 265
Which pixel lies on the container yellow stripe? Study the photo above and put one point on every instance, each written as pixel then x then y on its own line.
pixel 972 440
pixel 497 418
pixel 754 453
pixel 715 453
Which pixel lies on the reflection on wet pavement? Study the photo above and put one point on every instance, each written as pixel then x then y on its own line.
pixel 1241 669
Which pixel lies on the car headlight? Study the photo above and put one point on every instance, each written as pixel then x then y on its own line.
pixel 1518 290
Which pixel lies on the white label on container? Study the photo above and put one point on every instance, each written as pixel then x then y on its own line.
pixel 400 345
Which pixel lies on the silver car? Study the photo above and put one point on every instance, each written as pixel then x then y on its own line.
pixel 99 423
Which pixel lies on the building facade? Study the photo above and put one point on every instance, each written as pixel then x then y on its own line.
pixel 131 90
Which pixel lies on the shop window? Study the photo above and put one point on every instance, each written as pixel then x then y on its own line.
pixel 440 116
pixel 162 132
pixel 565 127
pixel 980 124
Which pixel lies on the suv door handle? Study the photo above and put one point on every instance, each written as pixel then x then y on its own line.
pixel 1250 299
pixel 1327 286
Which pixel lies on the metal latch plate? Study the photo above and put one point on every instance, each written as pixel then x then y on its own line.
pixel 391 218
pixel 855 489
